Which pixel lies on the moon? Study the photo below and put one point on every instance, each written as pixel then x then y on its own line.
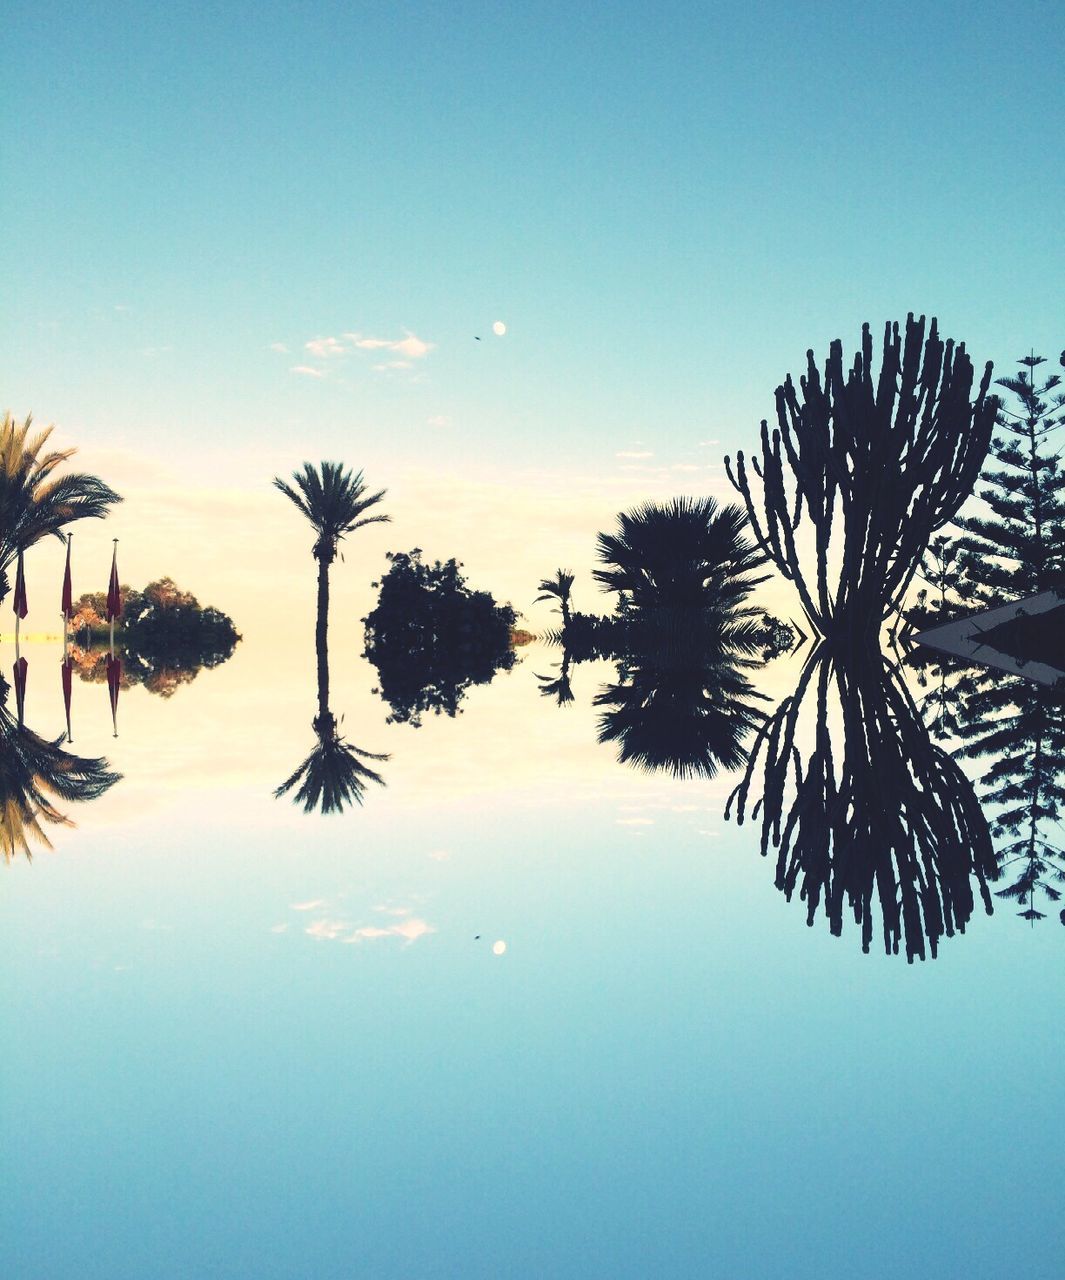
pixel 498 947
pixel 499 328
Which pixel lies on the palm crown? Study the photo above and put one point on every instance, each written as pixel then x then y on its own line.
pixel 334 501
pixel 34 501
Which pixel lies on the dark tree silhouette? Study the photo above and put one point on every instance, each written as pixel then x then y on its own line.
pixel 684 709
pixel 334 774
pixel 863 810
pixel 431 637
pixel 1018 549
pixel 690 554
pixel 557 588
pixel 878 464
pixel 335 503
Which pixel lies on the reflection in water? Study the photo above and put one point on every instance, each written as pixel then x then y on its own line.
pixel 1016 729
pixel 34 773
pixel 685 708
pixel 682 634
pixel 334 773
pixel 161 673
pixel 864 810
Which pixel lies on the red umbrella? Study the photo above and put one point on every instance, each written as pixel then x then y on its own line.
pixel 114 592
pixel 20 687
pixel 114 682
pixel 67 669
pixel 19 604
pixel 66 606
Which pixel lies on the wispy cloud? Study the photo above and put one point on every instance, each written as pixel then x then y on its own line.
pixel 323 348
pixel 410 930
pixel 634 453
pixel 308 371
pixel 410 346
pixel 279 347
pixel 307 906
pixel 438 420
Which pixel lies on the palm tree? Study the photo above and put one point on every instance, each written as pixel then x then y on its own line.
pixel 35 502
pixel 557 588
pixel 334 501
pixel 690 555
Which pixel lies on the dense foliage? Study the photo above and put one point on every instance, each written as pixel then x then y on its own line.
pixel 431 637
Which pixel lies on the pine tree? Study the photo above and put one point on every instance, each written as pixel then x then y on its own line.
pixel 1018 548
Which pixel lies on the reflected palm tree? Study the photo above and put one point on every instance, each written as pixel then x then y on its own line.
pixel 863 810
pixel 36 772
pixel 334 773
pixel 681 705
pixel 558 687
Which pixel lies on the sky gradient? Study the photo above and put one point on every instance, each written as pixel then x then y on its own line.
pixel 239 238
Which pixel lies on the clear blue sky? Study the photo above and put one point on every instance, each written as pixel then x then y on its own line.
pixel 666 204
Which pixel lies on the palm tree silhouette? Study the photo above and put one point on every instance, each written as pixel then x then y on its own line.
pixel 557 588
pixel 558 687
pixel 690 554
pixel 34 772
pixel 334 501
pixel 35 503
pixel 333 774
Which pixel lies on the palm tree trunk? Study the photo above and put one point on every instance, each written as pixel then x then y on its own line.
pixel 322 639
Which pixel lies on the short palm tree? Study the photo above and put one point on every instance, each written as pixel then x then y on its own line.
pixel 690 554
pixel 34 502
pixel 335 503
pixel 557 588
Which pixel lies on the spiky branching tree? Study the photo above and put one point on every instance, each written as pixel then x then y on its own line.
pixel 1018 548
pixel 878 461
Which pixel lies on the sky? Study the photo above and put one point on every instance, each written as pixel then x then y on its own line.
pixel 241 236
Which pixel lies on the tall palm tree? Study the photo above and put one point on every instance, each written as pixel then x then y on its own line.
pixel 335 502
pixel 34 502
pixel 557 588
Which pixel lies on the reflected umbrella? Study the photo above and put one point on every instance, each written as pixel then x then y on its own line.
pixel 21 667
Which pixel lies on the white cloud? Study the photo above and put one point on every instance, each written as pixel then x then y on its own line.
pixel 328 929
pixel 410 347
pixel 323 348
pixel 279 347
pixel 634 453
pixel 392 364
pixel 635 822
pixel 279 928
pixel 410 930
pixel 307 906
pixel 307 371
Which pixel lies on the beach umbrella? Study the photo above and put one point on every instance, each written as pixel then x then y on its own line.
pixel 21 666
pixel 67 670
pixel 114 681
